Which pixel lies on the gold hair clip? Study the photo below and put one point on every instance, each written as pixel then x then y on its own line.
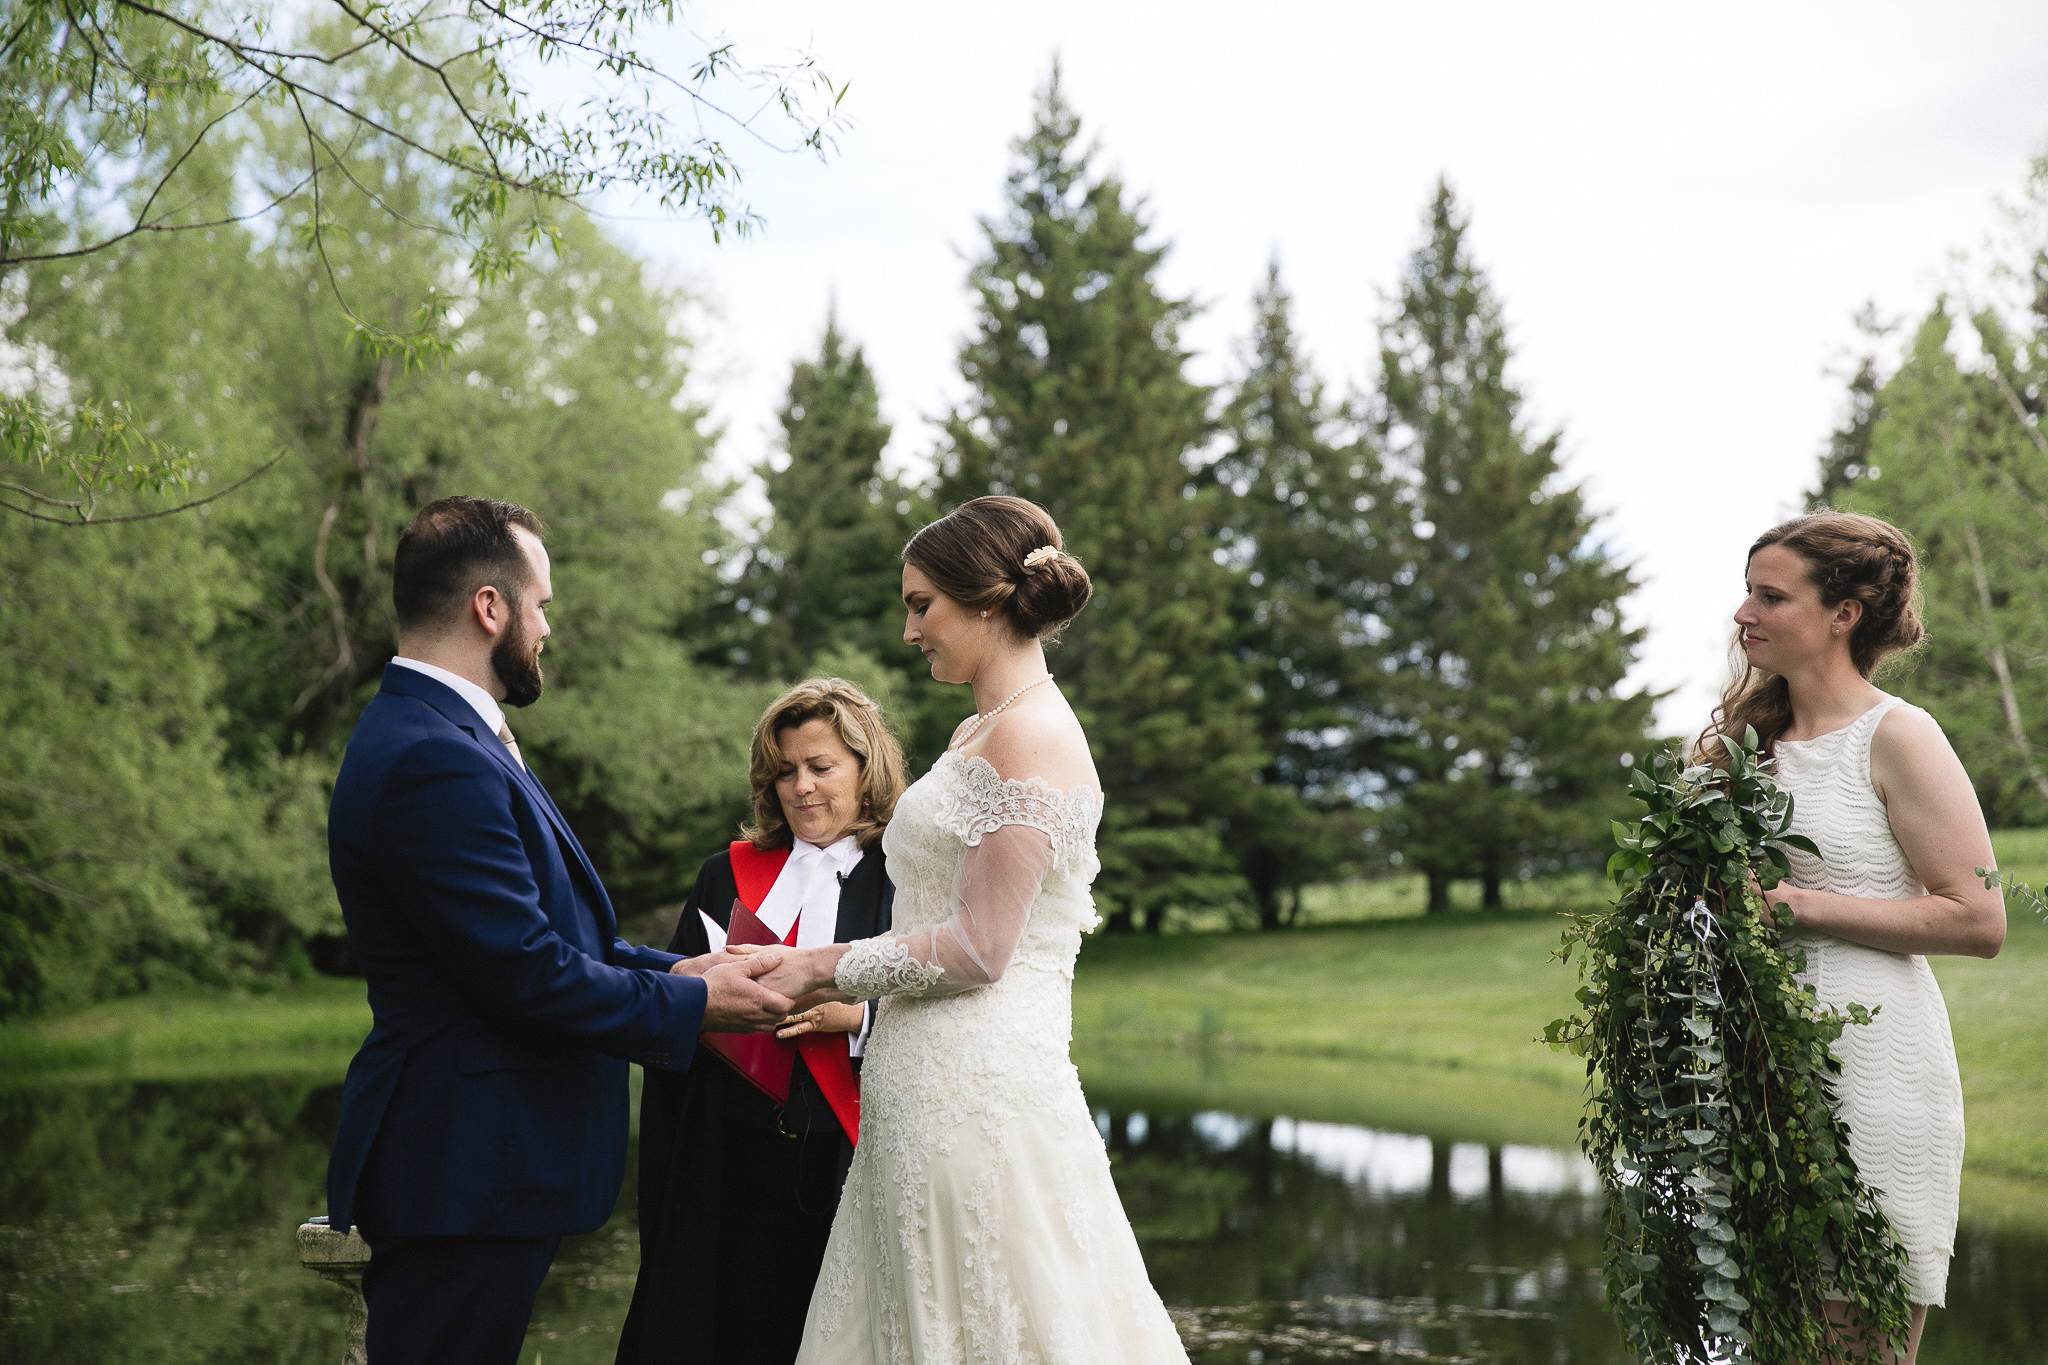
pixel 1040 555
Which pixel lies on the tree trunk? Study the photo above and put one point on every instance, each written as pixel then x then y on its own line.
pixel 1117 921
pixel 1267 898
pixel 2015 721
pixel 1439 892
pixel 317 708
pixel 370 397
pixel 1491 883
pixel 1439 1173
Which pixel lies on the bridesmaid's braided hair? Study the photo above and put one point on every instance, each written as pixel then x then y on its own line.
pixel 1847 555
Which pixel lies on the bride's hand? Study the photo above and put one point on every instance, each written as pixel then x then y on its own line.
pixel 826 1018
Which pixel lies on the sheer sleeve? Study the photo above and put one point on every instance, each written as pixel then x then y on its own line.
pixel 998 880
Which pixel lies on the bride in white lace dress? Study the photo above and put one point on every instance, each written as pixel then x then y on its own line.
pixel 979 1222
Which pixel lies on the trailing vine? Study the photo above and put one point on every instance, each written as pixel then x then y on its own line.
pixel 1734 1207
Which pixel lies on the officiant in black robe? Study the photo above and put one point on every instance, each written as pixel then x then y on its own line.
pixel 738 1190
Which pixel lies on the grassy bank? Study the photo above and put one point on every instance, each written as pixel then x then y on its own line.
pixel 1437 1016
pixel 1408 1023
pixel 310 1029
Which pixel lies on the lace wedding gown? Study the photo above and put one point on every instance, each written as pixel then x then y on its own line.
pixel 1899 1091
pixel 979 1222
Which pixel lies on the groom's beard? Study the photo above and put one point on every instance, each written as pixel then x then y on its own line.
pixel 516 657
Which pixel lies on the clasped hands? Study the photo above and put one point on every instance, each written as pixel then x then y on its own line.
pixel 751 988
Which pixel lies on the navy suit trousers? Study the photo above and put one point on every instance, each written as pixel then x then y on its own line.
pixel 452 1300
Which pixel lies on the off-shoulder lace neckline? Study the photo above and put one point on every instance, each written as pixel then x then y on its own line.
pixel 1037 784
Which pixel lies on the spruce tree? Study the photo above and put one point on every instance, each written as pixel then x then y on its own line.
pixel 825 575
pixel 1080 401
pixel 1299 495
pixel 1504 704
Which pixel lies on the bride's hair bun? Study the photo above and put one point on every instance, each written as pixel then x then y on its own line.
pixel 1004 556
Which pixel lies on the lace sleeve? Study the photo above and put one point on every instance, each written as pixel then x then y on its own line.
pixel 1000 874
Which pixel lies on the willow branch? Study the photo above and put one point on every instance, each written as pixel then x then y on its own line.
pixel 89 517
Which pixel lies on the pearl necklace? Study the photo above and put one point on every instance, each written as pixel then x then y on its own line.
pixel 994 711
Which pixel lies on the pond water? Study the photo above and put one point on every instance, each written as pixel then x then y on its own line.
pixel 144 1222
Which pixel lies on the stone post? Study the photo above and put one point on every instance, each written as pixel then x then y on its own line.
pixel 339 1257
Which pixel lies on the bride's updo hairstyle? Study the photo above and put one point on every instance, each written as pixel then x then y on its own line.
pixel 1003 556
pixel 1846 555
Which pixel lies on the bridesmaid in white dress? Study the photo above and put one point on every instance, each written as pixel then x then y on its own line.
pixel 979 1222
pixel 1877 788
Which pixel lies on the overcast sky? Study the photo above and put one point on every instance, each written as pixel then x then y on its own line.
pixel 1681 207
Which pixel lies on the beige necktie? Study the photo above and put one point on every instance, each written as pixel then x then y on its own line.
pixel 505 733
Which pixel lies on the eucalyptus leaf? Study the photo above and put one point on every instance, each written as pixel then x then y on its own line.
pixel 1726 1234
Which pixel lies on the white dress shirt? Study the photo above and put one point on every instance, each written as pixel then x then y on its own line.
pixel 487 708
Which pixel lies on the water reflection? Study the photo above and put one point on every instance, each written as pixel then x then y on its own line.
pixel 1283 1241
pixel 145 1222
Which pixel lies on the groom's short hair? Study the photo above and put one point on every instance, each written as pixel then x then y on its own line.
pixel 454 547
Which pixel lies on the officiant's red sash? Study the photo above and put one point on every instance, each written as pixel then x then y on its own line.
pixel 765 1060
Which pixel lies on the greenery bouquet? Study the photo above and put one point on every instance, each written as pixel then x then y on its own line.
pixel 1734 1207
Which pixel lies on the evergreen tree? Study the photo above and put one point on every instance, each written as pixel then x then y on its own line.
pixel 1080 401
pixel 1298 495
pixel 1508 652
pixel 825 573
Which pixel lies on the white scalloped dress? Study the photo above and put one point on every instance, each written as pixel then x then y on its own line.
pixel 1899 1092
pixel 979 1225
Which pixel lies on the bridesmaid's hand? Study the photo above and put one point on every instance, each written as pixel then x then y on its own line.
pixel 826 1018
pixel 1784 893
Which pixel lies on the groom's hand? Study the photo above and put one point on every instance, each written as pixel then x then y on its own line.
pixel 734 1002
pixel 702 963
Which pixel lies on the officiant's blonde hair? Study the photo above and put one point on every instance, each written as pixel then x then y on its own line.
pixel 861 728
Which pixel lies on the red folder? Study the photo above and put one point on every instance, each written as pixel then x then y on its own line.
pixel 763 1059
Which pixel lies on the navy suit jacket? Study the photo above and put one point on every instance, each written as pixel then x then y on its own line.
pixel 490 1097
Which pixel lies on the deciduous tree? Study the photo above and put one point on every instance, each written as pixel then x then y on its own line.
pixel 1957 460
pixel 123 122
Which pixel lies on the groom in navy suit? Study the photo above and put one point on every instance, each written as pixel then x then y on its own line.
pixel 485 1115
